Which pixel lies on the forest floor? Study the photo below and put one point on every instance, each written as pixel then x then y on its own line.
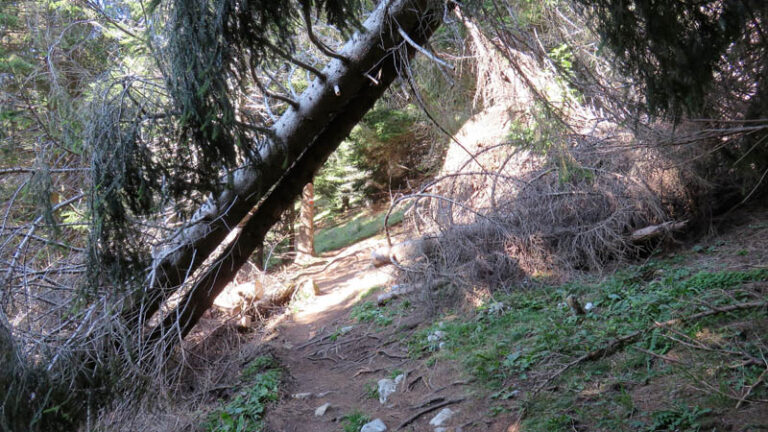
pixel 336 346
pixel 678 341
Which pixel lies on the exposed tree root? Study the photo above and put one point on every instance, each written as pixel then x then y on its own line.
pixel 428 410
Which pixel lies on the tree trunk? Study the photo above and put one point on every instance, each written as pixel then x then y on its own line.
pixel 327 104
pixel 305 239
pixel 308 135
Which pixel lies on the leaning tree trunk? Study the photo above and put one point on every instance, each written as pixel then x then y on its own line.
pixel 303 138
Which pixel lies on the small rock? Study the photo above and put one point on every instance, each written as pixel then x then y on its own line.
pixel 435 336
pixel 441 417
pixel 375 426
pixel 589 306
pixel 386 388
pixel 301 396
pixel 320 411
pixel 394 292
pixel 346 329
pixel 441 345
pixel 399 378
pixel 496 308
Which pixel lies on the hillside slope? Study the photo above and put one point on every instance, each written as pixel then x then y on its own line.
pixel 525 361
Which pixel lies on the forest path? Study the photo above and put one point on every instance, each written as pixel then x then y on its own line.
pixel 331 357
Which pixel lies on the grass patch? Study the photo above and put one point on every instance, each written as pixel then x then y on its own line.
pixel 368 312
pixel 534 333
pixel 371 390
pixel 680 418
pixel 260 379
pixel 353 421
pixel 359 228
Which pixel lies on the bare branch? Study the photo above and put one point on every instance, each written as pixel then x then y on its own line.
pixel 313 38
pixel 423 50
pixel 315 71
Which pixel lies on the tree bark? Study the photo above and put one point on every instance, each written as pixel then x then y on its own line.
pixel 326 112
pixel 305 239
pixel 308 135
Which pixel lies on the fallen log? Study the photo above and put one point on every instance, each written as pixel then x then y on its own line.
pixel 655 231
pixel 276 298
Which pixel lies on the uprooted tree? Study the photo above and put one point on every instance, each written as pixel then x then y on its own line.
pixel 194 136
pixel 296 146
pixel 179 161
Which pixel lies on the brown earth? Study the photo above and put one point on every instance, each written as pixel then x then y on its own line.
pixel 342 368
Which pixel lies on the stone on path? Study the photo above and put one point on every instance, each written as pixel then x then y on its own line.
pixel 320 411
pixel 374 426
pixel 387 387
pixel 441 417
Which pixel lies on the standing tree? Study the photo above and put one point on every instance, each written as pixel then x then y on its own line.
pixel 305 238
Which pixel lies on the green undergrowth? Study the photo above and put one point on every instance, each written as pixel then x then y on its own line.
pixel 354 421
pixel 380 315
pixel 358 229
pixel 515 341
pixel 260 380
pixel 368 312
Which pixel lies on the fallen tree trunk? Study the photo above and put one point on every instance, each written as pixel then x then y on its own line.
pixel 328 110
pixel 655 231
pixel 412 249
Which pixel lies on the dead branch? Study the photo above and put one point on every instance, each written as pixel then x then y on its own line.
pixel 619 343
pixel 667 359
pixel 751 387
pixel 423 50
pixel 313 37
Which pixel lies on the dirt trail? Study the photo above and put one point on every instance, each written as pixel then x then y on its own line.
pixel 338 360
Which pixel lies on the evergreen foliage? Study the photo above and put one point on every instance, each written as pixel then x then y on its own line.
pixel 679 48
pixel 168 137
pixel 383 152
